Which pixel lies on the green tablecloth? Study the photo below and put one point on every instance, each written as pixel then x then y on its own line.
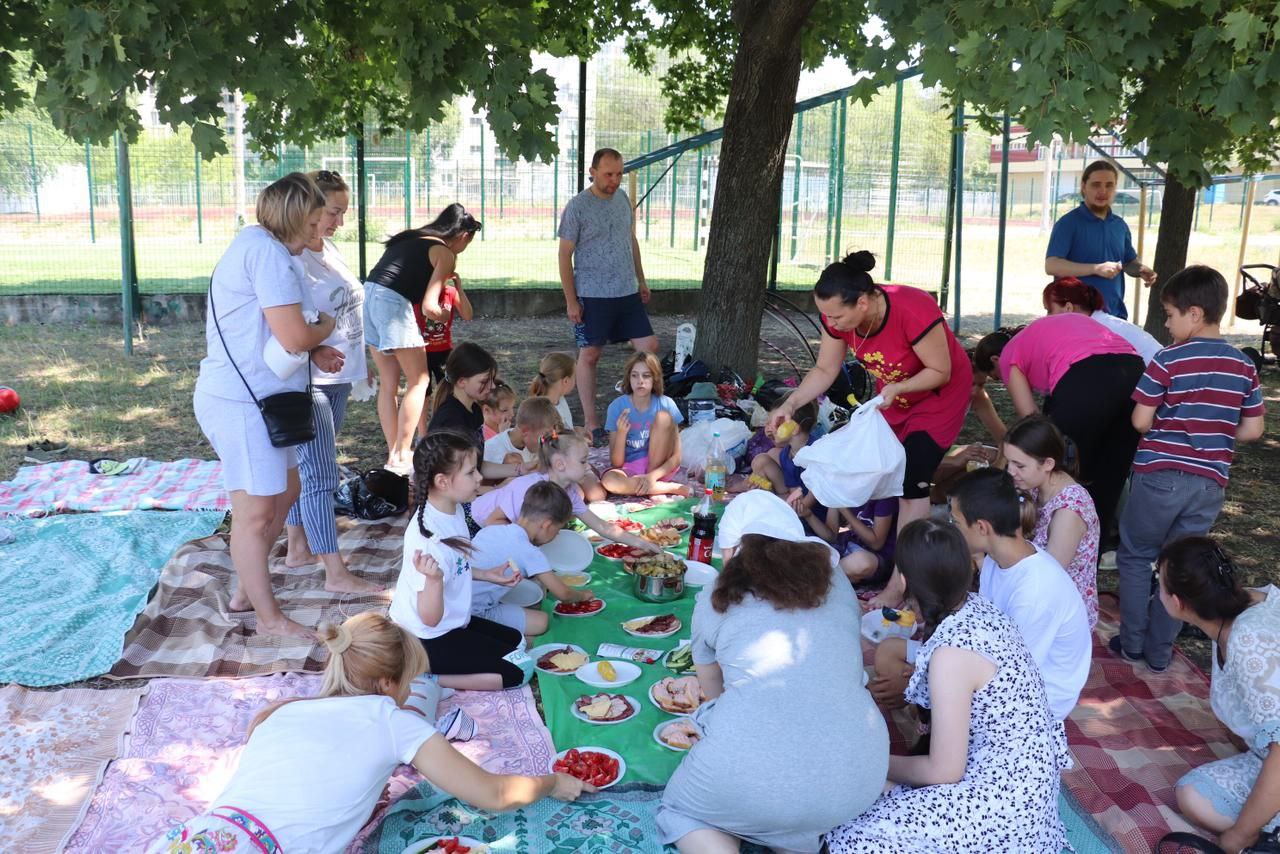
pixel 647 761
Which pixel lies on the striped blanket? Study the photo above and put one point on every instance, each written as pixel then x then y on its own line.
pixel 187 629
pixel 68 486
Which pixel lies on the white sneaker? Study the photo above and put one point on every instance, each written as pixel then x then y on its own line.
pixel 1107 560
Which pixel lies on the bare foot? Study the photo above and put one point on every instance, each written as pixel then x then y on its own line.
pixel 284 626
pixel 239 602
pixel 293 560
pixel 349 583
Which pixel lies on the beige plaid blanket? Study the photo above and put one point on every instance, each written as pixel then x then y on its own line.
pixel 187 630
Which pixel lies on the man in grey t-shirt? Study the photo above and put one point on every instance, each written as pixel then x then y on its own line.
pixel 603 280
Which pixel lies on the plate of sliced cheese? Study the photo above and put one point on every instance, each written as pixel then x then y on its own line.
pixel 558 659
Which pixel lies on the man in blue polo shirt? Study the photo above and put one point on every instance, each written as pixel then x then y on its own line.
pixel 1093 244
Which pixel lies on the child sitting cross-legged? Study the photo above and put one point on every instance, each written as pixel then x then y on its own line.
pixel 644 449
pixel 312 769
pixel 433 592
pixel 519 444
pixel 562 459
pixel 545 510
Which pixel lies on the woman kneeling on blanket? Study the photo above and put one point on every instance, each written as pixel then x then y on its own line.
pixel 312 769
pixel 1237 797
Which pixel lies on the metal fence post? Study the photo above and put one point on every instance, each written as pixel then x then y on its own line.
pixel 1004 218
pixel 795 183
pixel 428 165
pixel 35 176
pixel 959 207
pixel 408 179
pixel 129 297
pixel 674 200
pixel 555 184
pixel 199 202
pixel 831 184
pixel 88 168
pixel 948 232
pixel 838 252
pixel 697 203
pixel 648 182
pixel 362 206
pixel 893 179
pixel 482 197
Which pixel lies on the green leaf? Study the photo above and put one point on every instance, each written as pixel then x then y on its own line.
pixel 1244 29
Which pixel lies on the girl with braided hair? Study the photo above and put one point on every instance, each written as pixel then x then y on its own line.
pixel 312 768
pixel 433 593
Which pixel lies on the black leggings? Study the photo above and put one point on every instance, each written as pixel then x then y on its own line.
pixel 1093 405
pixel 477 647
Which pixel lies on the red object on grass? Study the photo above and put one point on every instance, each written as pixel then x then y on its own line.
pixel 9 400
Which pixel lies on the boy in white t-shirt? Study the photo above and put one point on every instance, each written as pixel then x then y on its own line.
pixel 1026 583
pixel 535 416
pixel 546 509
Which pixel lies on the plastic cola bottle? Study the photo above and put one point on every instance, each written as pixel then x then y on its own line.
pixel 715 474
pixel 702 538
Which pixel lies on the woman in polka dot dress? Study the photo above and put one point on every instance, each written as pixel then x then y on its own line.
pixel 990 780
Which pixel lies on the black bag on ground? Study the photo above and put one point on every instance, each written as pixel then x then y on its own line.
pixel 376 494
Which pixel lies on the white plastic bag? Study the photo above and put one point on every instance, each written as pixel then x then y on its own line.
pixel 860 462
pixel 695 442
pixel 686 334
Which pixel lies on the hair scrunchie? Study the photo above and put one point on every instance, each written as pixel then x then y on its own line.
pixel 339 643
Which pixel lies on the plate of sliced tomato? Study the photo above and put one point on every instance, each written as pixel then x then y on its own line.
pixel 580 609
pixel 599 766
pixel 449 845
pixel 620 552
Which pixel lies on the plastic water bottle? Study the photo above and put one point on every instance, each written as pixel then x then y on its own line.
pixel 715 474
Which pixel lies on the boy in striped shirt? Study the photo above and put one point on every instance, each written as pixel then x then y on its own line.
pixel 1198 397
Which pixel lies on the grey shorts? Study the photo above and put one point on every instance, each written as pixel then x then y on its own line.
pixel 389 323
pixel 511 616
pixel 238 435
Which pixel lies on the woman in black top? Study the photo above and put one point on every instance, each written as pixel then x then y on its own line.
pixel 414 260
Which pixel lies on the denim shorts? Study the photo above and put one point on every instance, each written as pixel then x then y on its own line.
pixel 389 323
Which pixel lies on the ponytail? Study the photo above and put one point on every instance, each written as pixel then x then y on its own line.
pixel 465 360
pixel 552 368
pixel 556 443
pixel 1039 438
pixel 1028 514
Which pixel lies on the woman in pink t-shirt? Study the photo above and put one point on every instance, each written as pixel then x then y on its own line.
pixel 1086 374
pixel 900 336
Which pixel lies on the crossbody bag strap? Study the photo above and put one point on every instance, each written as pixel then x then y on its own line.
pixel 213 311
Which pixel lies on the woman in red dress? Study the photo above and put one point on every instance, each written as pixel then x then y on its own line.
pixel 899 335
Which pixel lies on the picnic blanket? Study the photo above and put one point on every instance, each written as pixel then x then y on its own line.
pixel 74 584
pixel 188 734
pixel 55 746
pixel 68 486
pixel 647 761
pixel 187 630
pixel 1134 734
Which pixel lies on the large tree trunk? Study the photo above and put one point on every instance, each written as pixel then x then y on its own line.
pixel 1176 213
pixel 757 125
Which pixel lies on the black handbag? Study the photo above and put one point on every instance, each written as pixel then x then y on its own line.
pixel 288 415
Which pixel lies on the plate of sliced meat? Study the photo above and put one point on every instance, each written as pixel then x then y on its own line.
pixel 678 735
pixel 677 695
pixel 558 659
pixel 604 709
pixel 656 626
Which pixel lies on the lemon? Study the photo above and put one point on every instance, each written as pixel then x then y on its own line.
pixel 607 673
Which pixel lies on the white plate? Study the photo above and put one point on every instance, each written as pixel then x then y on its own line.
pixel 590 674
pixel 569 552
pixel 419 847
pixel 622 763
pixel 526 594
pixel 563 576
pixel 678 627
pixel 699 574
pixel 660 727
pixel 603 605
pixel 665 711
pixel 631 701
pixel 539 651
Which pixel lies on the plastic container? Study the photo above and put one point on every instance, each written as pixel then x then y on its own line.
pixel 701 410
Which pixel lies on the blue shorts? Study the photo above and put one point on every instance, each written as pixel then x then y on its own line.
pixel 611 320
pixel 389 323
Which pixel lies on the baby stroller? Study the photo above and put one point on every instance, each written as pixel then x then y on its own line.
pixel 1260 300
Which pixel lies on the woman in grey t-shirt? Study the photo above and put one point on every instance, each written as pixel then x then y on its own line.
pixel 257 294
pixel 792 744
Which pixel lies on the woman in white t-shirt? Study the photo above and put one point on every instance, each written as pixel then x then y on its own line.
pixel 334 290
pixel 312 769
pixel 256 293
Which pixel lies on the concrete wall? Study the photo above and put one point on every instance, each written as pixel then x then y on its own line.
pixel 182 308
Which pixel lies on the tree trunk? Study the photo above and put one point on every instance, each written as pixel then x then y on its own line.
pixel 1176 213
pixel 757 125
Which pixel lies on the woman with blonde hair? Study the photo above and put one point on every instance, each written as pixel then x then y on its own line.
pixel 333 289
pixel 312 768
pixel 257 297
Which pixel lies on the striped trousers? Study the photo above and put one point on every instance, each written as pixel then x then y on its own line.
pixel 318 470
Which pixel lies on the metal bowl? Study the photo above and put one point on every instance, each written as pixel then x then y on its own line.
pixel 652 588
